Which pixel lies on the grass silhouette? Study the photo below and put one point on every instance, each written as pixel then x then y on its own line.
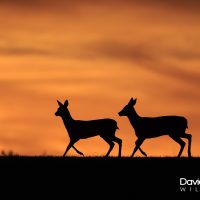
pixel 100 161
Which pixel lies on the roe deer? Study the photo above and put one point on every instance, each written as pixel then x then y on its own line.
pixel 78 129
pixel 150 127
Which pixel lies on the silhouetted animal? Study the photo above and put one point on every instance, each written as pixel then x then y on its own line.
pixel 78 129
pixel 150 127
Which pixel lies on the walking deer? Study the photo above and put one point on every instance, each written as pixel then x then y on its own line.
pixel 78 129
pixel 150 127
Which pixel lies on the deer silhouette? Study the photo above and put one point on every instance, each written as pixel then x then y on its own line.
pixel 150 127
pixel 78 129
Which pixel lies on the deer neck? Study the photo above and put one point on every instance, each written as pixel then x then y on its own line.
pixel 134 118
pixel 68 121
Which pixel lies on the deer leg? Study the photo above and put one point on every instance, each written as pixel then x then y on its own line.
pixel 111 143
pixel 179 141
pixel 142 152
pixel 189 137
pixel 119 141
pixel 138 144
pixel 71 143
pixel 79 152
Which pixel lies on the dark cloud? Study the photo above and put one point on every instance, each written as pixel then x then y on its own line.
pixel 52 80
pixel 189 5
pixel 30 3
pixel 185 5
pixel 148 59
pixel 120 50
pixel 23 51
pixel 185 54
pixel 38 5
pixel 173 72
pixel 183 95
pixel 138 51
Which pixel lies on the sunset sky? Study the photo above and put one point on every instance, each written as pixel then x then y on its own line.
pixel 97 54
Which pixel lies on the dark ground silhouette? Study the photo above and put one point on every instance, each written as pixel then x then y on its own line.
pixel 97 177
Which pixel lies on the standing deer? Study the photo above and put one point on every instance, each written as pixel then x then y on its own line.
pixel 78 129
pixel 150 127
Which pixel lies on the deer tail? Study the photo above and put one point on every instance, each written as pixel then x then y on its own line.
pixel 185 123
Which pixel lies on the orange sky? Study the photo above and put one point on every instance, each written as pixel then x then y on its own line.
pixel 98 54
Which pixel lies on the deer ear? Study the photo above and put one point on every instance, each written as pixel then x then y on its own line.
pixel 132 102
pixel 59 103
pixel 135 101
pixel 66 103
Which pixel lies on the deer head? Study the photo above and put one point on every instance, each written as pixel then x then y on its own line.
pixel 127 109
pixel 62 108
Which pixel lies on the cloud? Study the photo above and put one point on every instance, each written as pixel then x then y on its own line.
pixel 186 54
pixel 23 51
pixel 147 58
pixel 43 5
pixel 177 5
pixel 120 50
pixel 173 71
pixel 61 5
